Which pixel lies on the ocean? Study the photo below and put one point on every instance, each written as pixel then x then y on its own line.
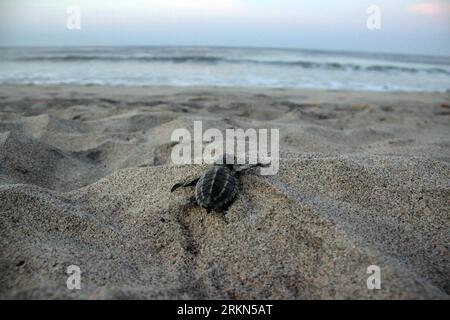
pixel 241 67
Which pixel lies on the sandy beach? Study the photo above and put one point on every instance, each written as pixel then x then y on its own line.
pixel 86 172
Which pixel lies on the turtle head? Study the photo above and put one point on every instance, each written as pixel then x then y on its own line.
pixel 226 160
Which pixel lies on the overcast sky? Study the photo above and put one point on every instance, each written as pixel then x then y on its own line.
pixel 408 26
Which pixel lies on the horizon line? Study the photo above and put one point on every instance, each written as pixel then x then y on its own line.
pixel 229 47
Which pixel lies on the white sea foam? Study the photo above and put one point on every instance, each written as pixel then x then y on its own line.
pixel 183 66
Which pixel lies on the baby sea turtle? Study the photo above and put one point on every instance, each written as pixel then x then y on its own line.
pixel 217 187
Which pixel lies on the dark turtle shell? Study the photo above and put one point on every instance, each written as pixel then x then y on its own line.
pixel 216 187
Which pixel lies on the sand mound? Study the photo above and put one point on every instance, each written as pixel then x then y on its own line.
pixel 128 231
pixel 26 160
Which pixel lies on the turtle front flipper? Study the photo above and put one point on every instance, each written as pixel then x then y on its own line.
pixel 246 168
pixel 184 184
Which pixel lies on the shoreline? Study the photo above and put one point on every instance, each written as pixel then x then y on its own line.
pixel 327 95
